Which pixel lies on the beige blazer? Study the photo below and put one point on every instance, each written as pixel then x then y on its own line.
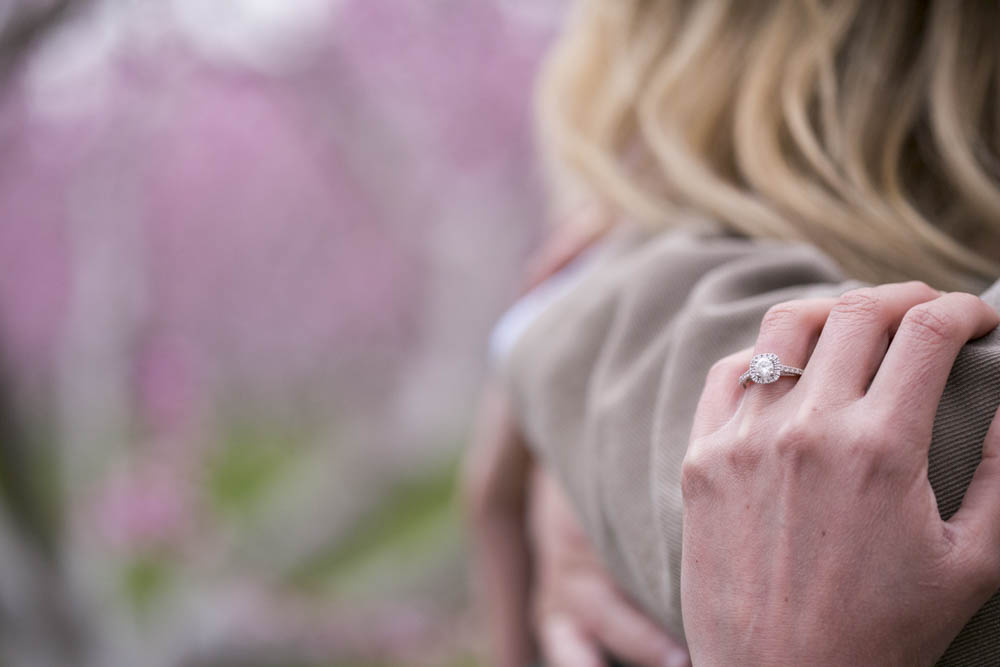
pixel 606 380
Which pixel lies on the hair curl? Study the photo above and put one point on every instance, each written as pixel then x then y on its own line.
pixel 869 129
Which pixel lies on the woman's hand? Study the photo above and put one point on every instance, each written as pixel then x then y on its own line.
pixel 811 533
pixel 580 614
pixel 495 489
pixel 495 482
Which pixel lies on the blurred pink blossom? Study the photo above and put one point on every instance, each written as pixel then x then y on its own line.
pixel 318 248
pixel 145 508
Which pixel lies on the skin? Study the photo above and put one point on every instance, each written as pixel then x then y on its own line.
pixel 570 612
pixel 495 489
pixel 811 533
pixel 540 584
pixel 580 613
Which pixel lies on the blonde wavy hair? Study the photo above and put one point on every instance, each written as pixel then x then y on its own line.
pixel 869 129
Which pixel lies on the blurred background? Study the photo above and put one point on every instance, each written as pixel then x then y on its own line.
pixel 250 253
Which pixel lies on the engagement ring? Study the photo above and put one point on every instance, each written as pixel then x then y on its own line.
pixel 765 369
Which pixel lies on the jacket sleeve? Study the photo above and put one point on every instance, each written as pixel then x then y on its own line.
pixel 606 381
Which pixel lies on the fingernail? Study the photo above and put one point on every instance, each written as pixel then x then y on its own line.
pixel 676 657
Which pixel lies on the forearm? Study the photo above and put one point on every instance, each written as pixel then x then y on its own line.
pixel 495 479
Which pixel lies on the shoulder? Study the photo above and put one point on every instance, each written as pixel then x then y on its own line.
pixel 633 274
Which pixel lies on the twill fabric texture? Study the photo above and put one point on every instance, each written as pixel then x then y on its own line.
pixel 606 380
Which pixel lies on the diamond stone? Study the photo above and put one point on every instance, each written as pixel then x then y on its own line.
pixel 764 368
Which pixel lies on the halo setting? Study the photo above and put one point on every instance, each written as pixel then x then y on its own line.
pixel 766 368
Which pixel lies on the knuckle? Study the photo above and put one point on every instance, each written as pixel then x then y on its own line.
pixel 796 437
pixel 878 454
pixel 696 474
pixel 879 444
pixel 744 458
pixel 862 303
pixel 875 421
pixel 967 303
pixel 783 317
pixel 925 290
pixel 929 324
pixel 882 438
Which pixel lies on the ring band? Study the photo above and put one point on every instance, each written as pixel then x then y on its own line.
pixel 765 369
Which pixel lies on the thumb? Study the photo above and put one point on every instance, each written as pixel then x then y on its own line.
pixel 978 519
